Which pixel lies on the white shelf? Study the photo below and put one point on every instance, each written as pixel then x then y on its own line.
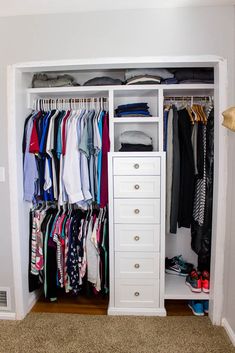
pixel 132 119
pixel 175 288
pixel 81 89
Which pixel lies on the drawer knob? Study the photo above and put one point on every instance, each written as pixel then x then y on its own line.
pixel 137 186
pixel 136 166
pixel 137 238
pixel 137 211
pixel 137 294
pixel 137 266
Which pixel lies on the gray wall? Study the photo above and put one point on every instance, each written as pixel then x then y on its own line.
pixel 182 31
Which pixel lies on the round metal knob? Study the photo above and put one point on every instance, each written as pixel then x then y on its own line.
pixel 137 238
pixel 137 187
pixel 137 294
pixel 137 266
pixel 137 211
pixel 136 166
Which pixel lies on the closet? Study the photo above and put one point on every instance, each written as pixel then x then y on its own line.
pixel 138 241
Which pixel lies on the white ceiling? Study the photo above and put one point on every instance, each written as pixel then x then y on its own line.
pixel 30 7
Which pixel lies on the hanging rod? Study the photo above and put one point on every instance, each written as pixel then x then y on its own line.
pixel 73 100
pixel 187 97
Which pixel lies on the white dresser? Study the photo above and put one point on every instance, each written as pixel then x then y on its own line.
pixel 137 235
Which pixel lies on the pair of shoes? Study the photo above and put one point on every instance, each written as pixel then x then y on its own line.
pixel 197 282
pixel 205 279
pixel 177 266
pixel 199 307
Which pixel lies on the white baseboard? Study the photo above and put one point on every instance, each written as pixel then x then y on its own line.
pixel 7 316
pixel 229 330
pixel 137 312
pixel 33 299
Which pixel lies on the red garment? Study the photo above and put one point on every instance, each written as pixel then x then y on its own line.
pixel 104 163
pixel 34 143
pixel 64 132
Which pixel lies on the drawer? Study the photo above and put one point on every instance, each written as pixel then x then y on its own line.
pixel 134 293
pixel 137 211
pixel 137 237
pixel 136 265
pixel 137 166
pixel 137 186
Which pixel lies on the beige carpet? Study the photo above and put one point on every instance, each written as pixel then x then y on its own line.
pixel 68 333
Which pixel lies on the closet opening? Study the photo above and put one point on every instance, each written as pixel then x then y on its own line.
pixel 140 110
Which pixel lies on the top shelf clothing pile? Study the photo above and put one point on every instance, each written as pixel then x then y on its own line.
pixel 65 156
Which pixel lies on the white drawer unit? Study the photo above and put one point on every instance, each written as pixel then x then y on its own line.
pixel 132 293
pixel 137 216
pixel 137 210
pixel 137 237
pixel 137 166
pixel 136 265
pixel 137 186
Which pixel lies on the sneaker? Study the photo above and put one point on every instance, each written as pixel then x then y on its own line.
pixel 205 304
pixel 205 279
pixel 197 307
pixel 194 282
pixel 177 266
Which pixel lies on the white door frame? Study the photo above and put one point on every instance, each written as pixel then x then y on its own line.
pixel 220 165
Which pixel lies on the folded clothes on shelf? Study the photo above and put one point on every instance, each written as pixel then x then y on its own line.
pixel 103 81
pixel 143 80
pixel 160 73
pixel 194 75
pixel 135 138
pixel 42 80
pixel 132 110
pixel 128 147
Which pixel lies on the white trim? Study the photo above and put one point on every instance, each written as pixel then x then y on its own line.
pixel 137 311
pixel 219 206
pixel 33 299
pixel 7 316
pixel 120 62
pixel 14 194
pixel 229 330
pixel 219 195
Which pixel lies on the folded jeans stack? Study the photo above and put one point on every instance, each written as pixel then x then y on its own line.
pixel 132 141
pixel 132 110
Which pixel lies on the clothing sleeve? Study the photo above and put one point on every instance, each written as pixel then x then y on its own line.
pixel 30 176
pixel 71 173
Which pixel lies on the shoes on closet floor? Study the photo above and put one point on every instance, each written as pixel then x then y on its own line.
pixel 194 282
pixel 177 266
pixel 197 307
pixel 205 279
pixel 205 304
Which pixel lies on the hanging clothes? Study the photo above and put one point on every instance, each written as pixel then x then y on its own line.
pixel 65 156
pixel 68 248
pixel 186 191
pixel 201 234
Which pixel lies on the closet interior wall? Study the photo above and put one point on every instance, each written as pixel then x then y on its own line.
pixel 20 104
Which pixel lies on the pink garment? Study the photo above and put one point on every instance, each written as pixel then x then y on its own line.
pixel 104 163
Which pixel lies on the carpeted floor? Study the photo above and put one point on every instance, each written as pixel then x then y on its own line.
pixel 68 333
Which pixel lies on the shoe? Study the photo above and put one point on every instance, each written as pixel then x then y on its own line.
pixel 205 279
pixel 197 307
pixel 205 304
pixel 194 282
pixel 177 266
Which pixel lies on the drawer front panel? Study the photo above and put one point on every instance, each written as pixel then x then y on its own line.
pixel 136 265
pixel 137 186
pixel 137 237
pixel 137 293
pixel 137 166
pixel 137 211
